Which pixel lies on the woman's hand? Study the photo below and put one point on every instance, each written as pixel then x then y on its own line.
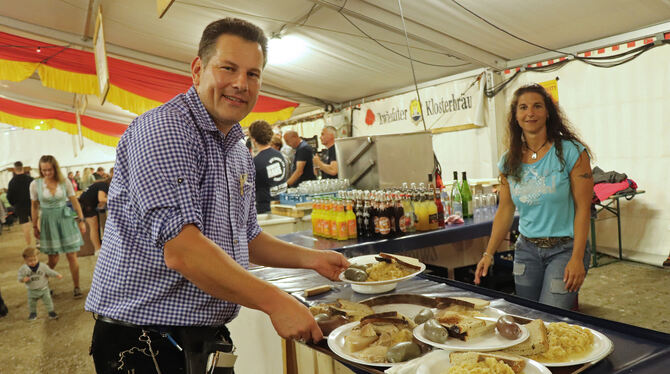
pixel 82 227
pixel 482 268
pixel 36 232
pixel 574 274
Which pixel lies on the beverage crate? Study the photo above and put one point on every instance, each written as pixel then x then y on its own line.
pixel 295 198
pixel 298 210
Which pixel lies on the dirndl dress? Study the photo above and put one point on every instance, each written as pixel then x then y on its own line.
pixel 59 232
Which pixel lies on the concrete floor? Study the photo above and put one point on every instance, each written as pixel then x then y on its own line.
pixel 627 292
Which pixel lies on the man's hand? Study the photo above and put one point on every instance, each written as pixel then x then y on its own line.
pixel 329 264
pixel 292 320
pixel 317 161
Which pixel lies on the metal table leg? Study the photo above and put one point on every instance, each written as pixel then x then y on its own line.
pixel 618 222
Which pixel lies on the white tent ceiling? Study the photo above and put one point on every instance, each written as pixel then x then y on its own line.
pixel 341 63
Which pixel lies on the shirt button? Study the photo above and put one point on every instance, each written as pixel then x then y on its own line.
pixel 235 241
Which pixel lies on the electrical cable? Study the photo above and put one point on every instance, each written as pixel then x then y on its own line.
pixel 397 53
pixel 411 64
pixel 509 33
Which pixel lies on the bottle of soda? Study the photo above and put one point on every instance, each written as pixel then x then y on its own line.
pixel 383 220
pixel 368 221
pixel 440 207
pixel 399 214
pixel 351 221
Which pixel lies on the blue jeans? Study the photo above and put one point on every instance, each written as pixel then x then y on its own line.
pixel 538 273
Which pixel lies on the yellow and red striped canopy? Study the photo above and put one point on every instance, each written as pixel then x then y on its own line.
pixel 136 88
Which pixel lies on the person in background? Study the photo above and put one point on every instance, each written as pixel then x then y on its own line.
pixel 70 177
pixel 276 142
pixel 60 230
pixel 93 198
pixel 87 179
pixel 34 274
pixel 328 168
pixel 99 174
pixel 3 307
pixel 177 245
pixel 77 178
pixel 546 174
pixel 303 167
pixel 270 166
pixel 18 194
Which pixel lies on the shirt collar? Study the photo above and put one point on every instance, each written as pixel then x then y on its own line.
pixel 204 120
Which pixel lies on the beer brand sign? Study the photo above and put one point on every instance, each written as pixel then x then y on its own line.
pixel 449 105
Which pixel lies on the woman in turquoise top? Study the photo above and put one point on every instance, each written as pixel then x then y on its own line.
pixel 546 175
pixel 60 229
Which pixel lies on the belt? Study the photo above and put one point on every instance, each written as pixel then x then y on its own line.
pixel 112 321
pixel 548 242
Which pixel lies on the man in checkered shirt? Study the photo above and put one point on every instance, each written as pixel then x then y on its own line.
pixel 181 227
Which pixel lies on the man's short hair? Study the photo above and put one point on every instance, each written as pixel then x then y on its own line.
pixel 261 131
pixel 332 130
pixel 101 169
pixel 30 251
pixel 18 164
pixel 233 26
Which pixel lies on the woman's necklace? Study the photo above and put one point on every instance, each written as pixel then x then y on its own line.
pixel 534 155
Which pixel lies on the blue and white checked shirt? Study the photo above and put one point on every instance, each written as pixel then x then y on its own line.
pixel 173 167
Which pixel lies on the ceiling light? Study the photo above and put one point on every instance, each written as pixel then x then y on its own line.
pixel 285 49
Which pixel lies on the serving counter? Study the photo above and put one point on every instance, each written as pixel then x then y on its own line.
pixel 636 350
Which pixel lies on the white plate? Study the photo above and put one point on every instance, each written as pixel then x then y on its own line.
pixel 440 363
pixel 489 342
pixel 602 347
pixel 379 286
pixel 336 344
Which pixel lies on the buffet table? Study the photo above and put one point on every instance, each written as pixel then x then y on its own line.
pixel 365 246
pixel 636 350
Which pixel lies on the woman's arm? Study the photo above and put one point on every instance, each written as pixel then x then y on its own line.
pixel 501 224
pixel 102 198
pixel 34 215
pixel 80 214
pixel 581 184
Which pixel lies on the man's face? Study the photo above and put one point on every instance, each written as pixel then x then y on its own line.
pixel 228 85
pixel 292 140
pixel 327 138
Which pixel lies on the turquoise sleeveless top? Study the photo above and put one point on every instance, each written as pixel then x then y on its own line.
pixel 543 195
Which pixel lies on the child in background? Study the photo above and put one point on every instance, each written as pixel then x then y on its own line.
pixel 34 274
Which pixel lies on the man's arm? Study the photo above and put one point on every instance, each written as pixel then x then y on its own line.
pixel 212 270
pixel 330 169
pixel 267 250
pixel 299 167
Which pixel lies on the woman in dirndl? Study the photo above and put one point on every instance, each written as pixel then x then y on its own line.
pixel 60 229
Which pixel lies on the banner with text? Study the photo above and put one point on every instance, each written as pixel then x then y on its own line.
pixel 446 107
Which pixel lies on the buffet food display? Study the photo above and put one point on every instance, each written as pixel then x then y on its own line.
pixel 409 331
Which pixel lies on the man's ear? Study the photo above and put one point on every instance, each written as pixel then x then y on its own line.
pixel 196 70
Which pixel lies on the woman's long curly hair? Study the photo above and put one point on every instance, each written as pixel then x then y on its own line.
pixel 558 128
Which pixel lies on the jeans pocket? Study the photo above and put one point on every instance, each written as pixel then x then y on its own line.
pixel 557 286
pixel 518 269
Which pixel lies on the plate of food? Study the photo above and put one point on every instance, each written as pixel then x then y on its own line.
pixel 562 344
pixel 446 362
pixel 382 340
pixel 457 331
pixel 373 274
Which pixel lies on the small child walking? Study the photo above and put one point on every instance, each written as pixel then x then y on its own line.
pixel 34 274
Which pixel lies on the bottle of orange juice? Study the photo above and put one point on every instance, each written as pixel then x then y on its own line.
pixel 325 219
